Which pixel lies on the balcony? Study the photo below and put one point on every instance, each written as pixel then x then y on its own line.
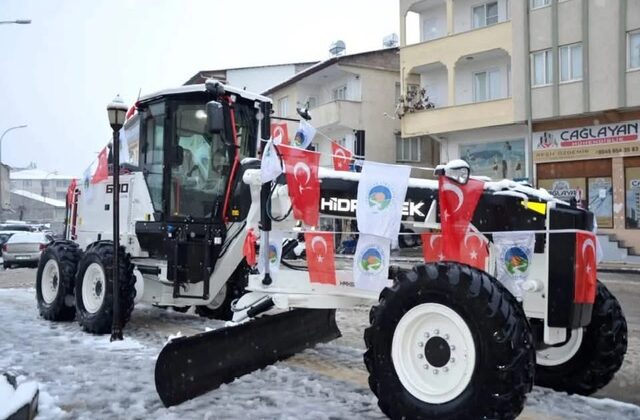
pixel 341 113
pixel 456 118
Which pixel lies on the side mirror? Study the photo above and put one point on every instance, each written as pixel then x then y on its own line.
pixel 215 117
pixel 178 156
pixel 457 170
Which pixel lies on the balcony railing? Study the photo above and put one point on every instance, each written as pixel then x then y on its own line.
pixel 342 113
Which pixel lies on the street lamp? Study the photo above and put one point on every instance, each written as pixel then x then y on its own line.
pixel 117 112
pixel 17 21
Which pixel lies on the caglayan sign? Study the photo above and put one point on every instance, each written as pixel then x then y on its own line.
pixel 597 141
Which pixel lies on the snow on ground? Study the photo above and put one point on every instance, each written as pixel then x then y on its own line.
pixel 85 377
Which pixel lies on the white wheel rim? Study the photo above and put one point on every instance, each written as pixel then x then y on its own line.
pixel 93 288
pixel 432 377
pixel 50 281
pixel 554 356
pixel 218 300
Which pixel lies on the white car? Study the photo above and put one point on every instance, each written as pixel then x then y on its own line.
pixel 24 249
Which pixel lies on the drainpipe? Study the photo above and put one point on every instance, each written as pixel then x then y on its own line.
pixel 622 54
pixel 527 95
pixel 586 81
pixel 555 58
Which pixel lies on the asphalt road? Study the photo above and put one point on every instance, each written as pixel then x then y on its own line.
pixel 626 287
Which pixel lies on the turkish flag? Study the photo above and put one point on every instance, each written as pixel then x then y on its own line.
pixel 585 270
pixel 457 204
pixel 320 257
pixel 432 247
pixel 102 171
pixel 302 178
pixel 280 133
pixel 341 157
pixel 475 251
pixel 249 248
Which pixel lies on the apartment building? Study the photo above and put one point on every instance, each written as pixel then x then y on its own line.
pixel 45 184
pixel 352 100
pixel 544 90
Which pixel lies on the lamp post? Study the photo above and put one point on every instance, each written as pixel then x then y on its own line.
pixel 17 21
pixel 117 111
pixel 2 137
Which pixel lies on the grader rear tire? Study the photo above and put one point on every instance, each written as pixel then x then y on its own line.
pixel 591 356
pixel 55 281
pixel 94 288
pixel 449 341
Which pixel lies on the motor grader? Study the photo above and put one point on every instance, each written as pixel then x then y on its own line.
pixel 446 339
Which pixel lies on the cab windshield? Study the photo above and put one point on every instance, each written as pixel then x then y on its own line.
pixel 200 165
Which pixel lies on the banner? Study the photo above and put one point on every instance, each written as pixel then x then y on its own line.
pixel 371 262
pixel 498 160
pixel 341 157
pixel 457 204
pixel 585 272
pixel 381 192
pixel 320 257
pixel 280 133
pixel 304 186
pixel 271 166
pixel 514 254
pixel 600 195
pixel 304 135
pixel 274 250
pixel 632 198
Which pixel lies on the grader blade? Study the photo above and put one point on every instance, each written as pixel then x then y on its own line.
pixel 191 366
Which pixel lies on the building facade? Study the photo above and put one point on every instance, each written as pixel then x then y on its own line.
pixel 544 90
pixel 34 208
pixel 352 100
pixel 46 184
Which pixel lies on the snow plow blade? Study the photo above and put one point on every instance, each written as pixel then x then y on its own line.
pixel 191 366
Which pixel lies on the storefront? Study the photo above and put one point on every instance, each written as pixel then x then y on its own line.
pixel 596 165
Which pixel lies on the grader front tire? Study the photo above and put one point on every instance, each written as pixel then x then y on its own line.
pixel 449 341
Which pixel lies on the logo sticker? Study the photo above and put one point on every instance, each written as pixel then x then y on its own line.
pixel 371 260
pixel 516 261
pixel 273 254
pixel 380 197
pixel 299 139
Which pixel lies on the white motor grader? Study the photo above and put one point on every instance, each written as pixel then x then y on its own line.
pixel 446 339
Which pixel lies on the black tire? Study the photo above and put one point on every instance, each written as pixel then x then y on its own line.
pixel 6 266
pixel 235 288
pixel 65 255
pixel 100 320
pixel 505 359
pixel 600 355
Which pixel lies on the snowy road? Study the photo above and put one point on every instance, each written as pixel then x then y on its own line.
pixel 84 376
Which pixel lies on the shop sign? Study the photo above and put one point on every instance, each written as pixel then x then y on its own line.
pixel 598 141
pixel 497 160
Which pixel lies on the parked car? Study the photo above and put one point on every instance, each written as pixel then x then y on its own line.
pixel 4 237
pixel 24 249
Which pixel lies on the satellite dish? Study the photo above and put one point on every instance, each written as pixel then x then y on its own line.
pixel 337 48
pixel 390 40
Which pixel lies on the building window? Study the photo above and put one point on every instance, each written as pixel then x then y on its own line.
pixel 408 150
pixel 26 183
pixel 634 50
pixel 283 106
pixel 62 183
pixel 44 183
pixel 61 196
pixel 535 4
pixel 541 63
pixel 340 93
pixel 485 15
pixel 486 85
pixel 312 102
pixel 571 63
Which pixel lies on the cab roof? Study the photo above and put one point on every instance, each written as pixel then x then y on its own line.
pixel 202 88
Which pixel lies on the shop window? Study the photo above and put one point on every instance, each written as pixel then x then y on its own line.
pixel 497 160
pixel 566 189
pixel 632 197
pixel 600 197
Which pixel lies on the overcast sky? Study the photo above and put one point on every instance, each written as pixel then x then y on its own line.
pixel 58 74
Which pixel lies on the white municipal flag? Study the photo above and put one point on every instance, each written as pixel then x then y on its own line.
pixel 304 135
pixel 514 258
pixel 271 166
pixel 274 252
pixel 381 192
pixel 371 263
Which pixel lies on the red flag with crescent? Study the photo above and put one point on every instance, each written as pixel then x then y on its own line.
pixel 249 248
pixel 301 167
pixel 432 247
pixel 71 190
pixel 280 133
pixel 457 204
pixel 585 269
pixel 341 157
pixel 102 171
pixel 320 257
pixel 475 251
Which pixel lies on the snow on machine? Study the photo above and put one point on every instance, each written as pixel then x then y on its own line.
pixel 507 295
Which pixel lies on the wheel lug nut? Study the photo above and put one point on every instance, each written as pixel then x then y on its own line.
pixel 445 369
pixel 420 344
pixel 426 366
pixel 452 360
pixel 453 348
pixel 420 356
pixel 435 371
pixel 436 332
pixel 427 335
pixel 446 336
